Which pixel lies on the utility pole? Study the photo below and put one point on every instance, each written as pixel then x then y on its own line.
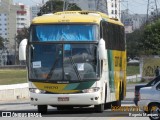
pixel 152 7
pixel 15 51
pixel 102 6
pixel 42 2
pixel 156 9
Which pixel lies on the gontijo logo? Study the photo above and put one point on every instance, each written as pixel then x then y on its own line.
pixel 51 87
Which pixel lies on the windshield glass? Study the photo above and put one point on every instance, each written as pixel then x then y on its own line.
pixel 63 32
pixel 63 62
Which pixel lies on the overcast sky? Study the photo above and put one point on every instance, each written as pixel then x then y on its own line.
pixel 134 6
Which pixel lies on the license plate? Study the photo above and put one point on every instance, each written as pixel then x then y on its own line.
pixel 63 98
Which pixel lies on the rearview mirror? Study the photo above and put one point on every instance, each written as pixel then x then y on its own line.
pixel 102 50
pixel 22 49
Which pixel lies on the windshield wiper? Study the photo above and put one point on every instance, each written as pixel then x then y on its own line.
pixel 52 69
pixel 74 67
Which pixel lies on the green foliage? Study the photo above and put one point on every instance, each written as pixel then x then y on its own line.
pixel 22 34
pixel 133 44
pixel 144 41
pixel 1 42
pixel 53 6
pixel 151 38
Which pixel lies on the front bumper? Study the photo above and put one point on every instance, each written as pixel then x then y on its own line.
pixel 74 99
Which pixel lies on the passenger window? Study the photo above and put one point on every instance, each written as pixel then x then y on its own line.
pixel 158 87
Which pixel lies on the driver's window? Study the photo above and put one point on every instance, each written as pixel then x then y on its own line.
pixel 158 87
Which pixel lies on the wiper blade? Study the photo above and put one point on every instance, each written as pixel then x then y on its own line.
pixel 74 67
pixel 52 69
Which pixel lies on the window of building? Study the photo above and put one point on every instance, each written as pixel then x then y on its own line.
pixel 112 5
pixel 112 11
pixel 115 11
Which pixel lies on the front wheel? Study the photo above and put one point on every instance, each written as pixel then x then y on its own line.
pixel 154 111
pixel 42 109
pixel 99 108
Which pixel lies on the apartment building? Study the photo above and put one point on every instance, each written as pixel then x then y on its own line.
pixel 22 16
pixel 132 21
pixel 34 10
pixel 110 7
pixel 8 23
pixel 13 17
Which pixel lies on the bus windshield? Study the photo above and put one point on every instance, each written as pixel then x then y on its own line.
pixel 64 32
pixel 69 62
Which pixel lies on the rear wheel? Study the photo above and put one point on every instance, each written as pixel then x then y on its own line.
pixel 116 103
pixel 154 109
pixel 42 109
pixel 99 108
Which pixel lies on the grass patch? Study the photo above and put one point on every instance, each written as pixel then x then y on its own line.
pixel 13 76
pixel 132 70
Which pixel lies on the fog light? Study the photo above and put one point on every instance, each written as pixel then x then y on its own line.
pixel 96 98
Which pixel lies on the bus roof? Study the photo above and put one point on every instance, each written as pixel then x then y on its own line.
pixel 74 17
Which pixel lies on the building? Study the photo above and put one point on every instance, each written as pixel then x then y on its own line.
pixel 23 16
pixel 13 17
pixel 114 8
pixel 132 21
pixel 110 7
pixel 34 10
pixel 8 23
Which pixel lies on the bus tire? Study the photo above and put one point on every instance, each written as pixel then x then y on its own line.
pixel 99 108
pixel 42 109
pixel 122 92
pixel 116 103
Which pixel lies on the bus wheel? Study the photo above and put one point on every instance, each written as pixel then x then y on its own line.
pixel 42 109
pixel 99 108
pixel 116 103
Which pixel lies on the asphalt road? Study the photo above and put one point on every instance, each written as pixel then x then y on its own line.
pixel 23 107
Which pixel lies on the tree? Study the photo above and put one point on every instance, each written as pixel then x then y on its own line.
pixel 53 6
pixel 133 43
pixel 22 34
pixel 1 42
pixel 151 38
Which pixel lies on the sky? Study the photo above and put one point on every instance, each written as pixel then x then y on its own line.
pixel 134 6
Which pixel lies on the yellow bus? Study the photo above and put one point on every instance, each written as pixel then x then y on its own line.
pixel 75 59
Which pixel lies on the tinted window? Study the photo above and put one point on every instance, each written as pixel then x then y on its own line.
pixel 113 35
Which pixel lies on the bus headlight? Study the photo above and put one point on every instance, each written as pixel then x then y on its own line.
pixel 91 90
pixel 35 90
